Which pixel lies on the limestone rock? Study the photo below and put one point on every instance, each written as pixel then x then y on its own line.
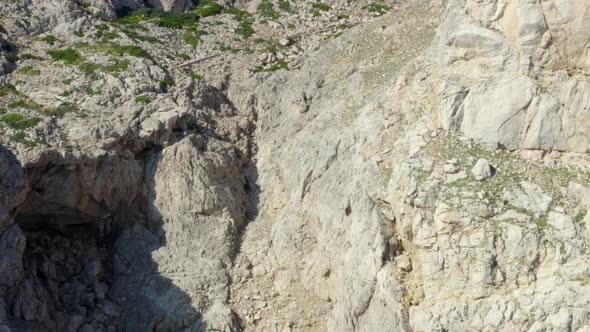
pixel 482 170
pixel 532 198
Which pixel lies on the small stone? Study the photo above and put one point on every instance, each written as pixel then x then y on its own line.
pixel 452 166
pixel 482 170
pixel 404 262
pixel 284 42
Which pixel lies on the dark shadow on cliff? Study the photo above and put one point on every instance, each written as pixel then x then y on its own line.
pixel 81 269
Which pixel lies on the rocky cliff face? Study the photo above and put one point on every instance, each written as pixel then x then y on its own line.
pixel 404 166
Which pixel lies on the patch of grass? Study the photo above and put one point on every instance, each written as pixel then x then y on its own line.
pixel 131 50
pixel 29 71
pixel 225 48
pixel 28 104
pixel 581 215
pixel 59 111
pixel 22 137
pixel 245 29
pixel 89 90
pixel 158 17
pixel 142 100
pixel 89 68
pixel 8 89
pixel 244 19
pixel 19 121
pixel 541 222
pixel 183 56
pixel 137 36
pixel 28 56
pixel 197 76
pixel 266 9
pixel 193 37
pixel 377 8
pixel 50 39
pixel 207 8
pixel 280 64
pixel 166 84
pixel 68 56
pixel 285 5
pixel 118 66
pixel 321 6
pixel 116 49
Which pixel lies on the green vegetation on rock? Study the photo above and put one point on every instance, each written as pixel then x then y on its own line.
pixel 142 100
pixel 266 9
pixel 68 56
pixel 377 8
pixel 29 71
pixel 207 8
pixel 19 121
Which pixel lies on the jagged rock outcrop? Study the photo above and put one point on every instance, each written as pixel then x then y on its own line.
pixel 512 78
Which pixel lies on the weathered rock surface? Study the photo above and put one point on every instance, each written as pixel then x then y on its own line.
pixel 424 171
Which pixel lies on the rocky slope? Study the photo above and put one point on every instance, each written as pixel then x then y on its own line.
pixel 294 166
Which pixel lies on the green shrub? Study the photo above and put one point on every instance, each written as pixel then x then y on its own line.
pixel 89 68
pixel 2 30
pixel 136 36
pixel 116 49
pixel 28 56
pixel 60 110
pixel 245 29
pixel 142 100
pixel 321 6
pixel 22 137
pixel 89 90
pixel 377 8
pixel 207 8
pixel 29 70
pixel 68 56
pixel 28 104
pixel 281 64
pixel 285 5
pixel 8 89
pixel 49 39
pixel 159 17
pixel 197 76
pixel 19 121
pixel 118 66
pixel 166 84
pixel 266 9
pixel 193 37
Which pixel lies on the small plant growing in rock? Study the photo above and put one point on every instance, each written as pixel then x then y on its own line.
pixel 19 121
pixel 321 6
pixel 89 68
pixel 377 8
pixel 49 39
pixel 197 76
pixel 207 8
pixel 29 71
pixel 166 84
pixel 118 66
pixel 266 9
pixel 245 20
pixel 68 56
pixel 193 37
pixel 8 89
pixel 285 5
pixel 142 100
